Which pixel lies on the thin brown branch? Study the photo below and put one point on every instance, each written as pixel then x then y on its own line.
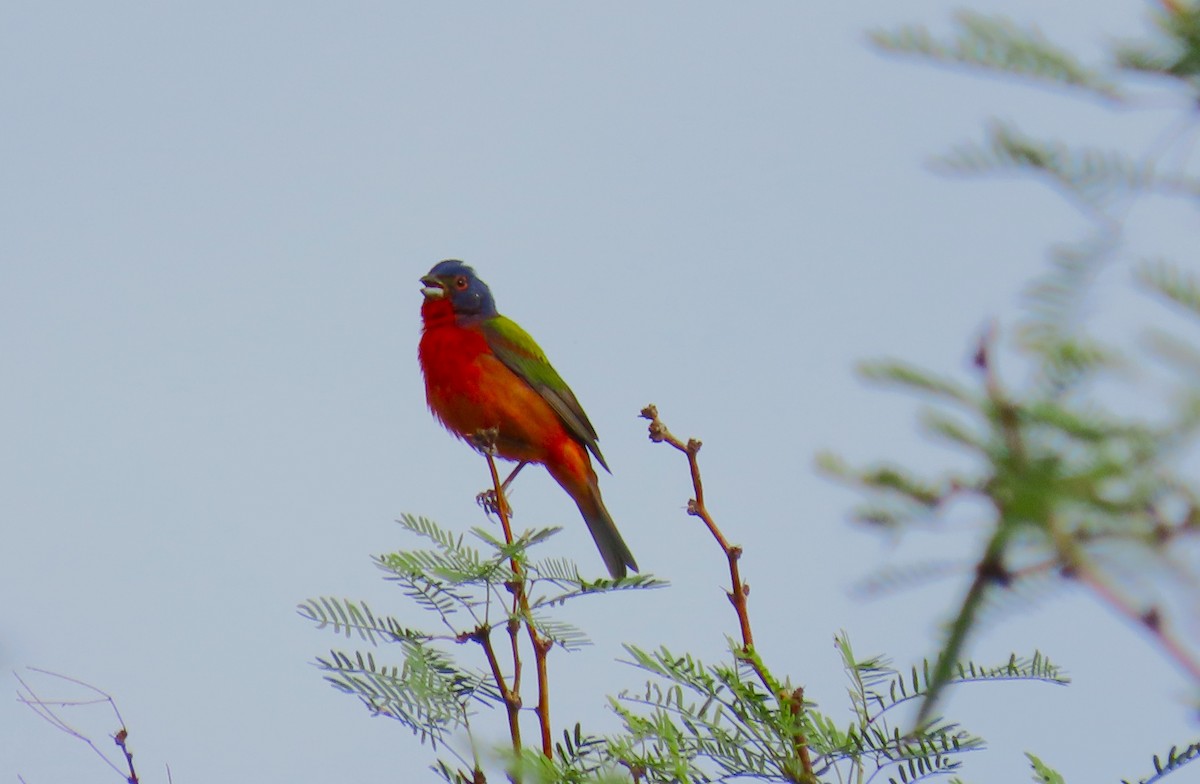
pixel 502 508
pixel 795 704
pixel 120 739
pixel 792 701
pixel 696 507
pixel 514 629
pixel 1150 619
pixel 44 708
pixel 1006 411
pixel 541 645
pixel 512 699
pixel 541 651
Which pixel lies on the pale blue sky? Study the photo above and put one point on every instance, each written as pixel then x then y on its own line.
pixel 214 223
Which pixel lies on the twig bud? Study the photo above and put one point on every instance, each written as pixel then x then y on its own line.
pixel 982 358
pixel 991 569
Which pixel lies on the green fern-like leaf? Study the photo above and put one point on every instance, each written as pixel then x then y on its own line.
pixel 1052 329
pixel 423 526
pixel 521 543
pixel 713 713
pixel 877 687
pixel 411 698
pixel 578 586
pixel 1174 52
pixel 996 44
pixel 433 595
pixel 1092 178
pixel 1172 282
pixel 1175 760
pixel 450 774
pixel 1043 773
pixel 565 635
pixel 915 379
pixel 348 617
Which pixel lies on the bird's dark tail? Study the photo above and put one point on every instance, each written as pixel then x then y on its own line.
pixel 612 547
pixel 586 492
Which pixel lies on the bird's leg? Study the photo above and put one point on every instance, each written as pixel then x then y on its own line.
pixel 487 499
pixel 504 485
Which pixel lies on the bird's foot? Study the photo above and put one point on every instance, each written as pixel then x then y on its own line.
pixel 488 500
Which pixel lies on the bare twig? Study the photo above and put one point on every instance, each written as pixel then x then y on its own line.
pixel 120 739
pixel 45 709
pixel 1151 618
pixel 697 508
pixel 792 701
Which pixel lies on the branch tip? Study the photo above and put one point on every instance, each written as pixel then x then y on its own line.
pixel 982 359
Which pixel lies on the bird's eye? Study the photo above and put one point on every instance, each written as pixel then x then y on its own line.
pixel 460 283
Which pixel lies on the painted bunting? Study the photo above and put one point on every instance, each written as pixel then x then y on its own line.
pixel 483 371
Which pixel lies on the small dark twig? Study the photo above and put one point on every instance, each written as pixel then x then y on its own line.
pixel 1149 619
pixel 120 738
pixel 44 708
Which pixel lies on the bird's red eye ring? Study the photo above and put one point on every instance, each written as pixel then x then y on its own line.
pixel 460 283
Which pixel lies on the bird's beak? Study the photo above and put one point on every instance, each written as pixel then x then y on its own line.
pixel 434 289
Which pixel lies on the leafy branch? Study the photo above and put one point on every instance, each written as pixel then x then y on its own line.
pixel 473 584
pixel 1071 486
pixel 696 721
pixel 996 44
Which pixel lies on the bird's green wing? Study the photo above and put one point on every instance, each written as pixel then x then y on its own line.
pixel 517 350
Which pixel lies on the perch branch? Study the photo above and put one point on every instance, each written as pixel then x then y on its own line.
pixel 541 646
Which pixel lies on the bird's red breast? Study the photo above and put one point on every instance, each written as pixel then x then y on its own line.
pixel 468 389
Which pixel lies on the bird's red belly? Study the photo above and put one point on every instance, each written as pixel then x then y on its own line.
pixel 469 390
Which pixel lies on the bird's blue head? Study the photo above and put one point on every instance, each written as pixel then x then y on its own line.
pixel 454 281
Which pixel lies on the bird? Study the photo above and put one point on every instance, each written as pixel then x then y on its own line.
pixel 483 371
